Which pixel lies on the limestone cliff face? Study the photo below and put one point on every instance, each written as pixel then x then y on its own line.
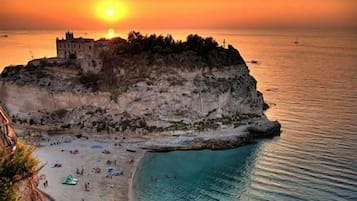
pixel 195 95
pixel 20 100
pixel 173 96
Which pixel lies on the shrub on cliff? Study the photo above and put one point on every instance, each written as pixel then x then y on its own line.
pixel 90 80
pixel 61 113
pixel 15 168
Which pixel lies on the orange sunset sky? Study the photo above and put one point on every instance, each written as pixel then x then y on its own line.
pixel 136 14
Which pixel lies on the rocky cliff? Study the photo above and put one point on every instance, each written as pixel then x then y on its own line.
pixel 144 91
pixel 18 168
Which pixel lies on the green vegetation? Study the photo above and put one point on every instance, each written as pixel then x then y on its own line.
pixel 137 43
pixel 14 168
pixel 145 58
pixel 206 49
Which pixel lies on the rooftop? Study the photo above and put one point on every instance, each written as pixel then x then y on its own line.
pixel 70 37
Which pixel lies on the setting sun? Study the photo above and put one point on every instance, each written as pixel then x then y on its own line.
pixel 111 11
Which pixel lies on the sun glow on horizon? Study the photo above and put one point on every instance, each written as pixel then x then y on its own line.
pixel 111 34
pixel 111 11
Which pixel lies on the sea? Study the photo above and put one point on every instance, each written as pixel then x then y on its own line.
pixel 311 87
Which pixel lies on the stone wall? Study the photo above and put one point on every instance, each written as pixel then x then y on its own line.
pixel 81 49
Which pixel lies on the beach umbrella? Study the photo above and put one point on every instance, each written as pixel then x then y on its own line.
pixel 110 169
pixel 97 146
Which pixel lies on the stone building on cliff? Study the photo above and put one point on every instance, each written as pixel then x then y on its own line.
pixel 85 50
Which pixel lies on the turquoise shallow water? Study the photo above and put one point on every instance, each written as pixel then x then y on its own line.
pixel 312 90
pixel 195 175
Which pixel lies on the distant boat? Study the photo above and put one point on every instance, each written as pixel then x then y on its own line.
pixel 296 42
pixel 253 61
pixel 5 36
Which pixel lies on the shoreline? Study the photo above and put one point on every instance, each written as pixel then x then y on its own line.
pixel 132 181
pixel 231 138
pixel 124 187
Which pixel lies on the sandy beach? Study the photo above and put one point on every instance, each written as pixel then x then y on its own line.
pixel 87 154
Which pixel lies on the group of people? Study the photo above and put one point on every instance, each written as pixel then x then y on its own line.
pixel 42 177
pixel 114 162
pixel 80 172
pixel 55 143
pixel 96 170
pixel 105 151
pixel 45 184
pixel 74 151
pixel 155 179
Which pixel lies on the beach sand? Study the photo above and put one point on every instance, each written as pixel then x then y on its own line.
pixel 101 187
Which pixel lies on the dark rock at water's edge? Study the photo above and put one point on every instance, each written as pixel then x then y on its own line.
pixel 266 129
pixel 265 106
pixel 229 139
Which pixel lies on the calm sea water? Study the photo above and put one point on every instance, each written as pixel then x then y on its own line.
pixel 312 90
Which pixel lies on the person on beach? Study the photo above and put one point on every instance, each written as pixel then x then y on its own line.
pixel 82 171
pixel 88 186
pixel 37 182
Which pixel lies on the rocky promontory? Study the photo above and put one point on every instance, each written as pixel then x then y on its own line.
pixel 195 91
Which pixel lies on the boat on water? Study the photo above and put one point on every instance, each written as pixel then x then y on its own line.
pixel 5 35
pixel 252 61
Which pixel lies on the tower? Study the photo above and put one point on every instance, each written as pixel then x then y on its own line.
pixel 69 36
